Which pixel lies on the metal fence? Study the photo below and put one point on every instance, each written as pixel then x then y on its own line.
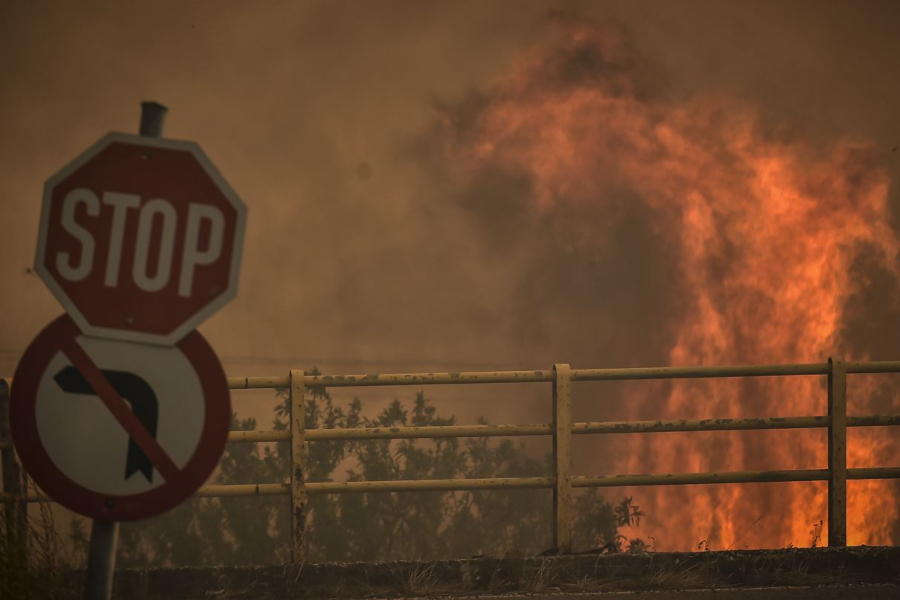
pixel 561 480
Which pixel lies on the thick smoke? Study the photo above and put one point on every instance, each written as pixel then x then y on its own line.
pixel 706 235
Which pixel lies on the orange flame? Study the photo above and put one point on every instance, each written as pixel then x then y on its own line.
pixel 765 231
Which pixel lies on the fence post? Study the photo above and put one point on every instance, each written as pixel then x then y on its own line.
pixel 837 452
pixel 298 467
pixel 562 459
pixel 16 514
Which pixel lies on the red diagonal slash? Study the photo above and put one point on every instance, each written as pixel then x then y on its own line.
pixel 120 410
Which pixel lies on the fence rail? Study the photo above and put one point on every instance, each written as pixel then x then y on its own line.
pixel 561 429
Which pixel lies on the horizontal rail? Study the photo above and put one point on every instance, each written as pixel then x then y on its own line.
pixel 394 379
pixel 259 436
pixel 535 376
pixel 873 421
pixel 881 366
pixel 249 383
pixel 512 483
pixel 700 478
pixel 244 489
pixel 701 425
pixel 394 433
pixel 731 477
pixel 874 473
pixel 538 375
pixel 643 373
pixel 436 485
pixel 729 424
pixel 545 376
pixel 359 487
pixel 460 431
pixel 433 431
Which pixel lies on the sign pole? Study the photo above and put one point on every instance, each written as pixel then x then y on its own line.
pixel 156 251
pixel 101 560
pixel 152 116
pixel 105 534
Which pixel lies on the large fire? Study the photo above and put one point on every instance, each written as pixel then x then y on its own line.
pixel 765 230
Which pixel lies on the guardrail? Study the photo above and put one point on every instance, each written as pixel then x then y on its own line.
pixel 560 481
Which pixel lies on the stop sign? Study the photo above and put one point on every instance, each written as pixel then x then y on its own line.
pixel 140 238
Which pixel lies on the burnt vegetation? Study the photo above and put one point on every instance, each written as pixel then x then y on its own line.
pixel 375 526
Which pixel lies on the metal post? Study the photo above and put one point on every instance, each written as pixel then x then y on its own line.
pixel 837 452
pixel 101 560
pixel 105 534
pixel 13 483
pixel 562 459
pixel 152 117
pixel 299 456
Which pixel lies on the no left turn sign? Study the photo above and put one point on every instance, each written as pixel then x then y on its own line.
pixel 115 430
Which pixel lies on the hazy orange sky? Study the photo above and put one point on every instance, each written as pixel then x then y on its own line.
pixel 289 99
pixel 363 253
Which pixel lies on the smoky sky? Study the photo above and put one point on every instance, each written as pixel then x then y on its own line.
pixel 362 250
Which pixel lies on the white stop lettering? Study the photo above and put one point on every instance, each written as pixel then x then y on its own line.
pixel 154 210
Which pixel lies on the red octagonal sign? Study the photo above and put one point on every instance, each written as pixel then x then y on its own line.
pixel 140 238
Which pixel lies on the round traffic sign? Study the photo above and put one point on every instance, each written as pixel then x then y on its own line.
pixel 117 430
pixel 140 238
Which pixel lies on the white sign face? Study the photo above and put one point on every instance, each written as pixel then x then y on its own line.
pixel 84 439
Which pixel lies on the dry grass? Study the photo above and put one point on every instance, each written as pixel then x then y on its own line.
pixel 545 578
pixel 39 565
pixel 695 576
pixel 421 581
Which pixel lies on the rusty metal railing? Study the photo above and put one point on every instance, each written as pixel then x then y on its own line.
pixel 560 481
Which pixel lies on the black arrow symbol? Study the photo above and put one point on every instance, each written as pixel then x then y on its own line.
pixel 137 393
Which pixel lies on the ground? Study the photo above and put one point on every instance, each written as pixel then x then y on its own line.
pixel 863 572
